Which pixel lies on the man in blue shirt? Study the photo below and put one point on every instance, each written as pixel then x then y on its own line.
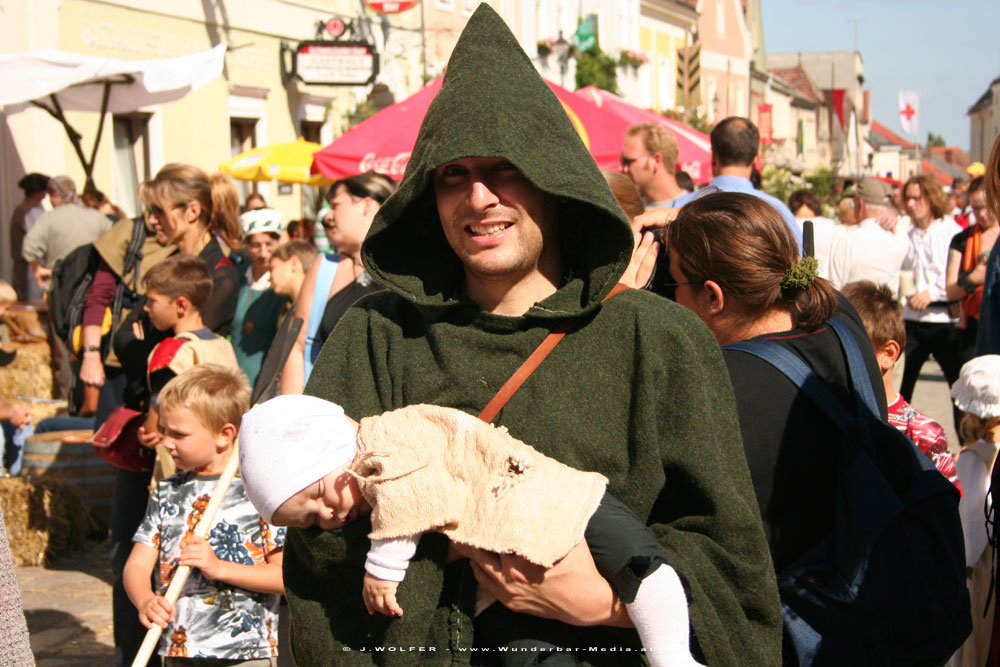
pixel 735 147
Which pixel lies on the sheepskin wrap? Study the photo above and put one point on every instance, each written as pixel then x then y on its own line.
pixel 428 468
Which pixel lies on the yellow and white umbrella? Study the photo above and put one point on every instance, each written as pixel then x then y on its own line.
pixel 287 163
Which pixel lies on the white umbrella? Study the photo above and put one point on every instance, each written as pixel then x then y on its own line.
pixel 58 81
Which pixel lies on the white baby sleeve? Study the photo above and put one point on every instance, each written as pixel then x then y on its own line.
pixel 388 559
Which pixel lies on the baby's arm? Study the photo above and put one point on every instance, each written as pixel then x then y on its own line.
pixel 384 569
pixel 152 608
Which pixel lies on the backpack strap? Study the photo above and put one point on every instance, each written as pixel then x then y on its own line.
pixel 860 381
pixel 800 375
pixel 133 261
pixel 805 379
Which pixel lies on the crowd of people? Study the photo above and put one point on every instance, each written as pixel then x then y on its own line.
pixel 650 476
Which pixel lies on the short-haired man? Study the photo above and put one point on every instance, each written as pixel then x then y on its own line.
pixel 930 326
pixel 863 250
pixel 494 237
pixel 735 148
pixel 649 158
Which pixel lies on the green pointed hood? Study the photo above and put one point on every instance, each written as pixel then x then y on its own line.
pixel 492 104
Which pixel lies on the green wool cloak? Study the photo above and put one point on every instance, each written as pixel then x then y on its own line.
pixel 637 391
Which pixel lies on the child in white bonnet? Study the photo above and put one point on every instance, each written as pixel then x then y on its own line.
pixel 977 394
pixel 426 468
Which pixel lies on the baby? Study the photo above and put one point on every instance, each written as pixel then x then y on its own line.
pixel 427 468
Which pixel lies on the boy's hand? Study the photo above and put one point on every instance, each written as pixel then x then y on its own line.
pixel 198 553
pixel 157 610
pixel 19 416
pixel 380 596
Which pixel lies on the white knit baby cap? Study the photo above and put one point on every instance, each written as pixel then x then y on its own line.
pixel 977 389
pixel 288 443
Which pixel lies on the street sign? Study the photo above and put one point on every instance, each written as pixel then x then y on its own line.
pixel 390 7
pixel 335 27
pixel 336 63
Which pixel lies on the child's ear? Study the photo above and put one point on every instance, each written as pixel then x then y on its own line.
pixel 887 354
pixel 183 306
pixel 226 436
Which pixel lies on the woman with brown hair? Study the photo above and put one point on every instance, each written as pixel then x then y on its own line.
pixel 186 211
pixel 970 249
pixel 930 326
pixel 335 282
pixel 735 264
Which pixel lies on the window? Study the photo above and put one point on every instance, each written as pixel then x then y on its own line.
pixel 446 4
pixel 469 6
pixel 720 16
pixel 242 138
pixel 130 160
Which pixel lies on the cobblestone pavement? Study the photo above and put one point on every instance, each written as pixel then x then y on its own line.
pixel 68 604
pixel 68 608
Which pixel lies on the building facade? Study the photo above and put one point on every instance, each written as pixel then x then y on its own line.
pixel 984 123
pixel 840 77
pixel 255 102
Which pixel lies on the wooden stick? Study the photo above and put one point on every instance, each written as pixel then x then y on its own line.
pixel 181 575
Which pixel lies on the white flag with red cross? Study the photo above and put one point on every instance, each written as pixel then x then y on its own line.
pixel 908 111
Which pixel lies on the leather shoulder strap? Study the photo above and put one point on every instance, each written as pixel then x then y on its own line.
pixel 534 359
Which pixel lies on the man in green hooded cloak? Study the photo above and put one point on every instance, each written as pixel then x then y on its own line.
pixel 502 228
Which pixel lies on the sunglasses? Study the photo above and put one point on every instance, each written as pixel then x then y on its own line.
pixel 159 212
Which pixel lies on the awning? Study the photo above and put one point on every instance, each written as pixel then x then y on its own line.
pixel 59 81
pixel 79 81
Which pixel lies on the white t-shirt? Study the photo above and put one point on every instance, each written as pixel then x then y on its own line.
pixel 927 257
pixel 866 251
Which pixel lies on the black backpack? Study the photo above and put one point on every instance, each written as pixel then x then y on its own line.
pixel 73 275
pixel 887 585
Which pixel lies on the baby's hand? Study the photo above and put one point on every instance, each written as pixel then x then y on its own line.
pixel 380 596
pixel 156 610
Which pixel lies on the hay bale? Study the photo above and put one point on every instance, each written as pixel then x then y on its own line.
pixel 30 374
pixel 45 519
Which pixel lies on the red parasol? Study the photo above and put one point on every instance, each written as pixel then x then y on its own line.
pixel 383 142
pixel 694 147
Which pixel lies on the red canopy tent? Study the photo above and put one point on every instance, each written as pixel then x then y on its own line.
pixel 383 142
pixel 694 147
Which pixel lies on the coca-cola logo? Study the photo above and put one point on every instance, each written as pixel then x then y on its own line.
pixel 693 169
pixel 392 166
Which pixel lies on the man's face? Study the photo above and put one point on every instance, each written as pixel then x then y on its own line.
pixel 637 163
pixel 984 217
pixel 916 203
pixel 500 225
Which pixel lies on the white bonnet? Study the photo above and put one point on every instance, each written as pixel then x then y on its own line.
pixel 288 443
pixel 261 220
pixel 977 389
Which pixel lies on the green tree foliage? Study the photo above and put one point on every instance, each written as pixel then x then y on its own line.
pixel 935 140
pixel 777 181
pixel 821 181
pixel 596 68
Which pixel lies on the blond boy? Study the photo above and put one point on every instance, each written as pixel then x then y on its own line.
pixel 228 608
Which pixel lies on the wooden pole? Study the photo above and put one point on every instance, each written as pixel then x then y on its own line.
pixel 181 575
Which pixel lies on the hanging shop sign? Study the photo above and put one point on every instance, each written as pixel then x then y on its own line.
pixel 336 63
pixel 335 27
pixel 390 7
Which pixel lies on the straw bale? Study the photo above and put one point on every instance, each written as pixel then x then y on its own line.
pixel 45 519
pixel 29 374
